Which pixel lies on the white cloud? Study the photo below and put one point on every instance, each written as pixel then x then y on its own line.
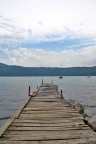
pixel 10 34
pixel 39 57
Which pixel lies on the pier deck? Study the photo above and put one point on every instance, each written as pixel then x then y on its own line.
pixel 47 119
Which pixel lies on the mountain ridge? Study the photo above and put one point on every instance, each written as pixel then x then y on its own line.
pixel 14 70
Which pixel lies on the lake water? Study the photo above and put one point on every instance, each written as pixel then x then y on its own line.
pixel 14 90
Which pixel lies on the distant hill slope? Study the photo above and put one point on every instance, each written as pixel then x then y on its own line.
pixel 7 70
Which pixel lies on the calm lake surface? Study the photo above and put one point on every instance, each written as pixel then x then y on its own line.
pixel 14 90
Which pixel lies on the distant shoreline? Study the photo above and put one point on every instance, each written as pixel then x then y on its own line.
pixel 8 70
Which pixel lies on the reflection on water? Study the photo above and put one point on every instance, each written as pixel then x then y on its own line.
pixel 14 90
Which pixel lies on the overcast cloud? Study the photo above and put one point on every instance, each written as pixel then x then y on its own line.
pixel 48 32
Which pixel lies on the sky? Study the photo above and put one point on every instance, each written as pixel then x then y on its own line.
pixel 48 33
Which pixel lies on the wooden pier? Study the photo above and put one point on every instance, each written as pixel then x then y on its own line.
pixel 46 118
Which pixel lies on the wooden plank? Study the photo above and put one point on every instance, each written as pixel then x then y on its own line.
pixel 46 124
pixel 30 110
pixel 60 113
pixel 45 115
pixel 61 120
pixel 47 128
pixel 19 142
pixel 52 104
pixel 45 108
pixel 47 118
pixel 49 132
pixel 72 141
pixel 48 135
pixel 51 110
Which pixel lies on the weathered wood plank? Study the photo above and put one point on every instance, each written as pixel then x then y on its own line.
pixel 47 128
pixel 19 142
pixel 46 124
pixel 46 104
pixel 72 141
pixel 48 135
pixel 58 115
pixel 49 132
pixel 50 112
pixel 48 118
pixel 45 108
pixel 70 119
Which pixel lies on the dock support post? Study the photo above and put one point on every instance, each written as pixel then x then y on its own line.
pixel 57 87
pixel 42 81
pixel 62 94
pixel 29 91
pixel 37 86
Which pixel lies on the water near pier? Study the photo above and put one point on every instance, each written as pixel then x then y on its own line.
pixel 14 90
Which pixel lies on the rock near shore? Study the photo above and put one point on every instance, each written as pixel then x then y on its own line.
pixel 92 122
pixel 79 108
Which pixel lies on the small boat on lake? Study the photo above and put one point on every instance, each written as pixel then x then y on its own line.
pixel 60 77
